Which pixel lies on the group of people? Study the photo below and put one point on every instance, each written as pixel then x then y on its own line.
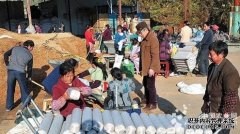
pixel 24 28
pixel 223 79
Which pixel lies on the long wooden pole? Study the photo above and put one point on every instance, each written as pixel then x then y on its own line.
pixel 29 13
pixel 30 28
pixel 120 11
pixel 186 4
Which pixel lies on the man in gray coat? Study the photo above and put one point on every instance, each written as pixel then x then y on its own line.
pixel 19 61
pixel 221 95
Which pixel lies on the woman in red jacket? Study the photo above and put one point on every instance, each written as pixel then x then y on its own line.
pixel 62 99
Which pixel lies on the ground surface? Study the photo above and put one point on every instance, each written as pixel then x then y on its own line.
pixel 169 99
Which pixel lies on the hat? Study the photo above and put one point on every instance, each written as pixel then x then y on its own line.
pixel 215 27
pixel 140 26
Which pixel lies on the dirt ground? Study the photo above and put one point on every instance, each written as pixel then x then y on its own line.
pixel 170 100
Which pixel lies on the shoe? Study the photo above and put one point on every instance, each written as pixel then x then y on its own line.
pixel 8 110
pixel 143 103
pixel 147 107
pixel 150 107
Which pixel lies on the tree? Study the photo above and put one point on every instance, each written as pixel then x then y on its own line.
pixel 171 11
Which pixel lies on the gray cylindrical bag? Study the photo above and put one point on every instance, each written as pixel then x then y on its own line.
pixel 66 124
pixel 97 120
pixel 150 129
pixel 118 122
pixel 76 120
pixel 46 123
pixel 87 119
pixel 92 132
pixel 158 125
pixel 56 125
pixel 138 123
pixel 108 121
pixel 129 125
pixel 166 123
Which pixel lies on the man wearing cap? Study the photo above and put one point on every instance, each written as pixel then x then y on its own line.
pixel 217 36
pixel 149 63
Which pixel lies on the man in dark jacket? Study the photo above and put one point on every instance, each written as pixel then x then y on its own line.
pixel 203 62
pixel 149 63
pixel 221 95
pixel 21 58
pixel 107 35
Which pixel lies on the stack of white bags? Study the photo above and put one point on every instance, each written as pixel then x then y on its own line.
pixel 93 121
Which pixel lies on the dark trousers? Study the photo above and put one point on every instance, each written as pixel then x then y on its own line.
pixel 89 55
pixel 103 46
pixel 150 89
pixel 203 62
pixel 20 77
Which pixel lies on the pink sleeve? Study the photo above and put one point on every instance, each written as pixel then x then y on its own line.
pixel 58 103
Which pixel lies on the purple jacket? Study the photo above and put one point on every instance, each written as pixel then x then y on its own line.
pixel 107 35
pixel 164 48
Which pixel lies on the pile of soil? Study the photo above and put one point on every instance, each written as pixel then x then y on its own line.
pixel 47 47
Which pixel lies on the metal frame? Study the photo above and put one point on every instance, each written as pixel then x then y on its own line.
pixel 20 113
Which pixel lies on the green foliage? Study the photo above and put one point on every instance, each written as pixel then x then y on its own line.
pixel 172 11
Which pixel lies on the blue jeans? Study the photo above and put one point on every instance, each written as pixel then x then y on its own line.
pixel 14 76
pixel 203 62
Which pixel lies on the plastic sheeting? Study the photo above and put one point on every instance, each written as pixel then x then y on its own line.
pixel 191 89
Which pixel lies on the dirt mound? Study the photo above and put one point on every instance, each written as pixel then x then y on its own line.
pixel 47 46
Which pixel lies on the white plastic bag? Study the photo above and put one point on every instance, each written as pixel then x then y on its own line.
pixel 118 61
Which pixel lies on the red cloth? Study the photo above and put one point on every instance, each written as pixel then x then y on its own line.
pixel 89 36
pixel 60 88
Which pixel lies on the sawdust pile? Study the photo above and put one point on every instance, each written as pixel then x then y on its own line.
pixel 47 46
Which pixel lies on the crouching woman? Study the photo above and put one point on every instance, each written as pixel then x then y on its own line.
pixel 69 92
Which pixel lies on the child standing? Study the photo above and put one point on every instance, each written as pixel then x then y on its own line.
pixel 134 56
pixel 120 40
